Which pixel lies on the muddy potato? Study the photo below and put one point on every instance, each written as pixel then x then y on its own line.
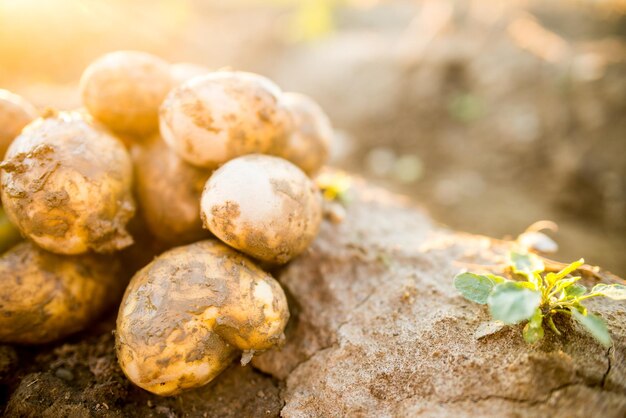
pixel 15 113
pixel 184 71
pixel 263 206
pixel 308 144
pixel 214 118
pixel 190 312
pixel 9 234
pixel 168 192
pixel 66 185
pixel 124 90
pixel 45 297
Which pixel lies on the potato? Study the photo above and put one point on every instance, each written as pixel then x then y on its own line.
pixel 168 193
pixel 190 312
pixel 66 184
pixel 309 143
pixel 45 297
pixel 214 118
pixel 263 206
pixel 9 234
pixel 184 71
pixel 15 113
pixel 124 90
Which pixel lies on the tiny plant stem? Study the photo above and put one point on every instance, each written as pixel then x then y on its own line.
pixel 590 295
pixel 565 311
pixel 553 326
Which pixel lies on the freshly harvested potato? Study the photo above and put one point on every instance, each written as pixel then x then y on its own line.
pixel 309 143
pixel 45 297
pixel 168 192
pixel 214 118
pixel 263 206
pixel 184 71
pixel 15 113
pixel 9 234
pixel 190 312
pixel 124 90
pixel 66 184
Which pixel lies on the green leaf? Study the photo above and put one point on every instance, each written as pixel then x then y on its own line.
pixel 564 283
pixel 511 302
pixel 611 291
pixel 474 287
pixel 574 291
pixel 595 325
pixel 526 264
pixel 533 331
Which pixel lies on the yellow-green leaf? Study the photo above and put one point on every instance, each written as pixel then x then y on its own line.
pixel 533 331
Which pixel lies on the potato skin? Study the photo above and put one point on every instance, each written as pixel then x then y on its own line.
pixel 214 118
pixel 168 192
pixel 124 90
pixel 45 297
pixel 15 113
pixel 187 315
pixel 263 206
pixel 66 184
pixel 309 143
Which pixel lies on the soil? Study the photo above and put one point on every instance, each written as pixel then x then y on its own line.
pixel 377 329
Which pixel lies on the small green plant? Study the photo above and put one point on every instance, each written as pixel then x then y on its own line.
pixel 334 185
pixel 538 296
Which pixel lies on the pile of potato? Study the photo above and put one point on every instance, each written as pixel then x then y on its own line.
pixel 218 165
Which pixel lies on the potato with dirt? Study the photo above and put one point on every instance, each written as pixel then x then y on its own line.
pixel 15 113
pixel 214 118
pixel 124 90
pixel 66 185
pixel 168 191
pixel 190 312
pixel 309 143
pixel 263 206
pixel 45 297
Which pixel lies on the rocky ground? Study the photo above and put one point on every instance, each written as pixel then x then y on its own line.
pixel 377 329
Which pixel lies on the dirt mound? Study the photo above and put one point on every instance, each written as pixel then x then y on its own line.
pixel 377 329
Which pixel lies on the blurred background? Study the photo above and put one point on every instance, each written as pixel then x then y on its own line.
pixel 492 114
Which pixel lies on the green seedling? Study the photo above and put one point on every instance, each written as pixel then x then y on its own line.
pixel 538 296
pixel 335 186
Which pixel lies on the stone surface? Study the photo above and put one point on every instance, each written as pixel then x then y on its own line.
pixel 379 330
